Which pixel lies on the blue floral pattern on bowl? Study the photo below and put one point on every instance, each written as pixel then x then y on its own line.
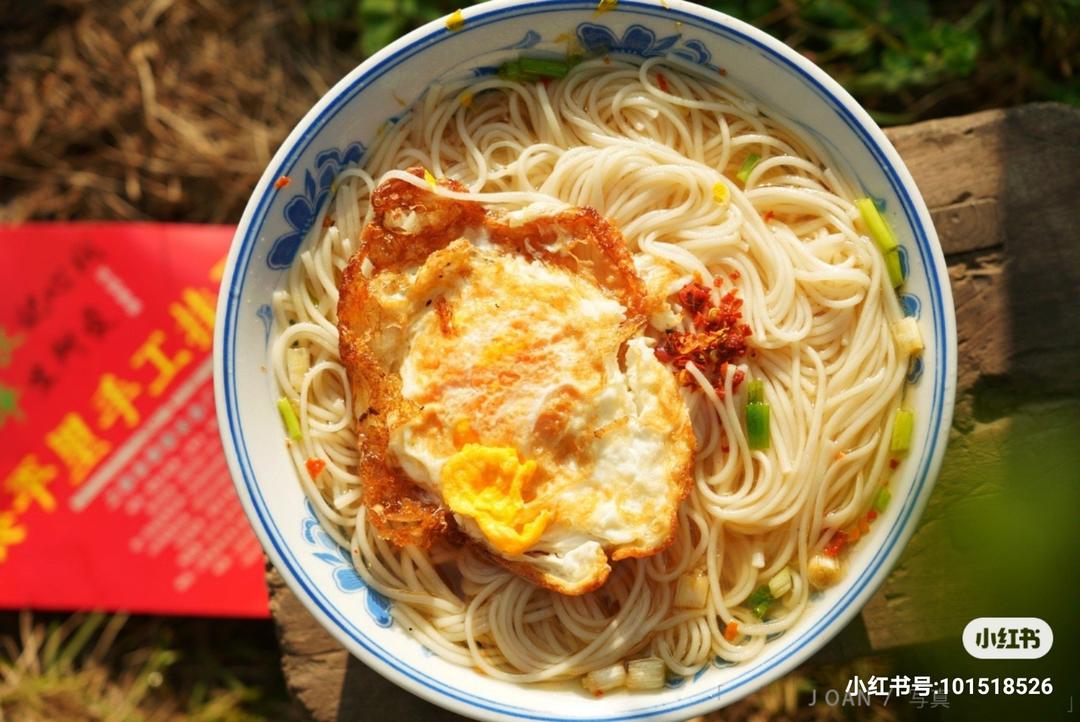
pixel 303 208
pixel 530 39
pixel 641 41
pixel 345 577
pixel 636 40
pixel 266 315
pixel 911 305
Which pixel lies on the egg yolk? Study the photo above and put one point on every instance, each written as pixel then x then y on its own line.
pixel 486 483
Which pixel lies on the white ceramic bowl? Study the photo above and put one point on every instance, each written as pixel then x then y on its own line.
pixel 335 133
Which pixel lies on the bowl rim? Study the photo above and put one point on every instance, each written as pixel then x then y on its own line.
pixel 757 673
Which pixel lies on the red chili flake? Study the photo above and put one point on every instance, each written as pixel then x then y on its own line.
pixel 327 221
pixel 893 463
pixel 871 515
pixel 735 275
pixel 314 467
pixel 835 544
pixel 722 71
pixel 719 336
pixel 769 215
pixel 282 182
pixel 662 356
pixel 662 82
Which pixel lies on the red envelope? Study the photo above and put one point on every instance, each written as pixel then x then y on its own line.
pixel 114 492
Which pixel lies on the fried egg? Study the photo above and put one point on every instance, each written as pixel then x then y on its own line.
pixel 505 394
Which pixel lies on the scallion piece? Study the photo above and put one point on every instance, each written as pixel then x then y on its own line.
pixel 894 269
pixel 603 680
pixel 692 591
pixel 882 499
pixel 876 225
pixel 780 584
pixel 648 673
pixel 883 236
pixel 297 363
pixel 907 335
pixel 292 424
pixel 755 392
pixel 903 425
pixel 544 67
pixel 760 600
pixel 824 571
pixel 757 416
pixel 747 167
pixel 511 70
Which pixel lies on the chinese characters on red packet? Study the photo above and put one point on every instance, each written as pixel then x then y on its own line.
pixel 114 492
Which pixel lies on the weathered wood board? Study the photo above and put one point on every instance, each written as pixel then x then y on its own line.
pixel 1002 187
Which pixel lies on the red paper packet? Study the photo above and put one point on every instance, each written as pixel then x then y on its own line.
pixel 114 492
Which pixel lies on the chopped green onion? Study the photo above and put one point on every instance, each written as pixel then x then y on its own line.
pixel 824 571
pixel 545 67
pixel 757 425
pixel 292 424
pixel 747 167
pixel 648 673
pixel 510 70
pixel 755 392
pixel 883 235
pixel 780 584
pixel 297 363
pixel 907 335
pixel 603 680
pixel 529 69
pixel 882 499
pixel 877 226
pixel 760 600
pixel 903 425
pixel 692 591
pixel 894 269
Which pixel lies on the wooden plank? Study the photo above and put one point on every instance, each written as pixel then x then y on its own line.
pixel 956 162
pixel 327 682
pixel 1001 186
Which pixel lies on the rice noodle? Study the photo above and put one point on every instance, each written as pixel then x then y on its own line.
pixel 817 299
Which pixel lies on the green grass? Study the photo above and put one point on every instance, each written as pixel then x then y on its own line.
pixel 904 60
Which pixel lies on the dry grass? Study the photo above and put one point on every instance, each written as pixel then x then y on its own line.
pixel 107 668
pixel 150 109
